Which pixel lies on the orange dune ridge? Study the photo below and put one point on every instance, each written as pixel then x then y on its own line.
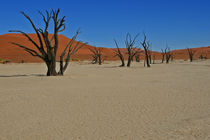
pixel 183 53
pixel 15 54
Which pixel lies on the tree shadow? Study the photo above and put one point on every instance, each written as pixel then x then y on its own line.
pixel 22 75
pixel 109 66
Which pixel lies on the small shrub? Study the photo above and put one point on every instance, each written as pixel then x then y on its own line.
pixel 4 61
pixel 75 59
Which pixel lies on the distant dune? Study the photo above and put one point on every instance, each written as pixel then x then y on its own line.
pixel 183 54
pixel 16 54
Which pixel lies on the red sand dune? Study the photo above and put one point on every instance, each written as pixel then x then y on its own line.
pixel 16 54
pixel 183 53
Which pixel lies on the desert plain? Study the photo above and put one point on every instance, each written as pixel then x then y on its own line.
pixel 107 102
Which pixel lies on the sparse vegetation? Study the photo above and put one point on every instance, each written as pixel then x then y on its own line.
pixel 4 61
pixel 191 54
pixel 167 54
pixel 119 54
pixel 47 47
pixel 163 55
pixel 97 55
pixel 75 59
pixel 131 49
pixel 146 45
pixel 137 56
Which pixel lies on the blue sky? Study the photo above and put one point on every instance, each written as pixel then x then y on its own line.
pixel 180 23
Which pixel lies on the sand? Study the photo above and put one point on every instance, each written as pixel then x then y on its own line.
pixel 93 102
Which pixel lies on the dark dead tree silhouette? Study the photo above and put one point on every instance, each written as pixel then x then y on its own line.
pixel 99 52
pixel 119 54
pixel 146 45
pixel 167 54
pixel 138 54
pixel 163 55
pixel 47 47
pixel 97 55
pixel 94 56
pixel 68 52
pixel 150 56
pixel 131 50
pixel 202 55
pixel 137 57
pixel 190 53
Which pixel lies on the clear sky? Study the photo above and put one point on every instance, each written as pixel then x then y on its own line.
pixel 180 23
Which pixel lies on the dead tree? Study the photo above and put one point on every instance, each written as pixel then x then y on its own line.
pixel 70 50
pixel 100 60
pixel 46 48
pixel 163 55
pixel 167 54
pixel 119 54
pixel 146 44
pixel 131 50
pixel 97 55
pixel 201 56
pixel 191 54
pixel 95 59
pixel 150 56
pixel 137 56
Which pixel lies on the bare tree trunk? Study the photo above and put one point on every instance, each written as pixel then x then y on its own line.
pixel 132 51
pixel 95 60
pixel 163 55
pixel 123 63
pixel 147 59
pixel 137 57
pixel 119 54
pixel 163 58
pixel 97 55
pixel 71 51
pixel 167 54
pixel 129 61
pixel 146 44
pixel 51 70
pixel 45 49
pixel 61 65
pixel 150 59
pixel 191 58
pixel 167 60
pixel 191 54
pixel 99 60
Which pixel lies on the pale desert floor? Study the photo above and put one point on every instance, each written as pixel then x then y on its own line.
pixel 106 102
